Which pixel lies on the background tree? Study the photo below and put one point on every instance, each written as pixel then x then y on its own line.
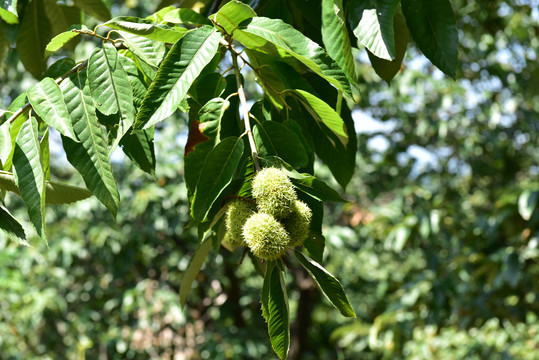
pixel 464 257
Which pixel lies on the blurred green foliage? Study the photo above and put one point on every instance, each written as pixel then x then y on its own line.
pixel 438 246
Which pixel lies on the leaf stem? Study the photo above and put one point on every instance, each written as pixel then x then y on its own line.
pixel 245 111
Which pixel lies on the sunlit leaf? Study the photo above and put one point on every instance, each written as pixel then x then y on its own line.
pixel 185 16
pixel 8 11
pixel 11 227
pixel 146 28
pixel 193 269
pixel 61 39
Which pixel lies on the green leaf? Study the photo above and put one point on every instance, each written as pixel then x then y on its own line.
pixel 329 285
pixel 56 193
pixel 286 40
pixel 11 227
pixel 527 203
pixel 146 28
pixel 230 16
pixel 150 52
pixel 335 36
pixel 273 138
pixel 433 27
pixel 215 175
pixel 8 11
pixel 110 88
pixel 5 143
pixel 61 39
pixel 35 34
pixel 179 69
pixel 29 175
pixel 275 310
pixel 315 245
pixel 138 146
pixel 186 17
pixel 48 102
pixel 193 269
pixel 388 69
pixel 323 114
pixel 45 151
pixel 375 29
pixel 96 8
pixel 90 157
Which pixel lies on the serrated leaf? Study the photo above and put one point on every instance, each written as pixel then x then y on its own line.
pixel 136 79
pixel 5 143
pixel 56 193
pixel 179 69
pixel 34 36
pixel 29 175
pixel 48 102
pixel 216 174
pixel 110 88
pixel 146 28
pixel 61 39
pixel 388 69
pixel 335 36
pixel 138 146
pixel 11 227
pixel 329 285
pixel 433 27
pixel 8 11
pixel 375 30
pixel 323 114
pixel 45 150
pixel 186 17
pixel 13 133
pixel 200 255
pixel 282 36
pixel 273 138
pixel 91 156
pixel 149 52
pixel 96 8
pixel 275 310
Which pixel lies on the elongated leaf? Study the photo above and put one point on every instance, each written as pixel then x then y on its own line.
pixel 56 193
pixel 273 138
pixel 275 310
pixel 138 146
pixel 282 36
pixel 527 203
pixel 230 16
pixel 433 27
pixel 29 175
pixel 8 11
pixel 95 8
pixel 147 53
pixel 35 34
pixel 48 102
pixel 61 39
pixel 146 28
pixel 45 151
pixel 136 79
pixel 186 17
pixel 179 69
pixel 90 157
pixel 323 114
pixel 110 88
pixel 5 143
pixel 388 69
pixel 216 174
pixel 335 36
pixel 193 269
pixel 11 227
pixel 329 285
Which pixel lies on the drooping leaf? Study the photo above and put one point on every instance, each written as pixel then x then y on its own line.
pixel 61 39
pixel 29 175
pixel 5 143
pixel 36 32
pixel 138 146
pixel 329 285
pixel 273 138
pixel 48 102
pixel 179 69
pixel 375 30
pixel 147 28
pixel 193 269
pixel 278 36
pixel 335 36
pixel 96 8
pixel 11 227
pixel 186 17
pixel 45 150
pixel 8 11
pixel 433 28
pixel 388 69
pixel 323 114
pixel 90 157
pixel 216 174
pixel 56 193
pixel 275 310
pixel 56 17
pixel 315 245
pixel 110 88
pixel 230 16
